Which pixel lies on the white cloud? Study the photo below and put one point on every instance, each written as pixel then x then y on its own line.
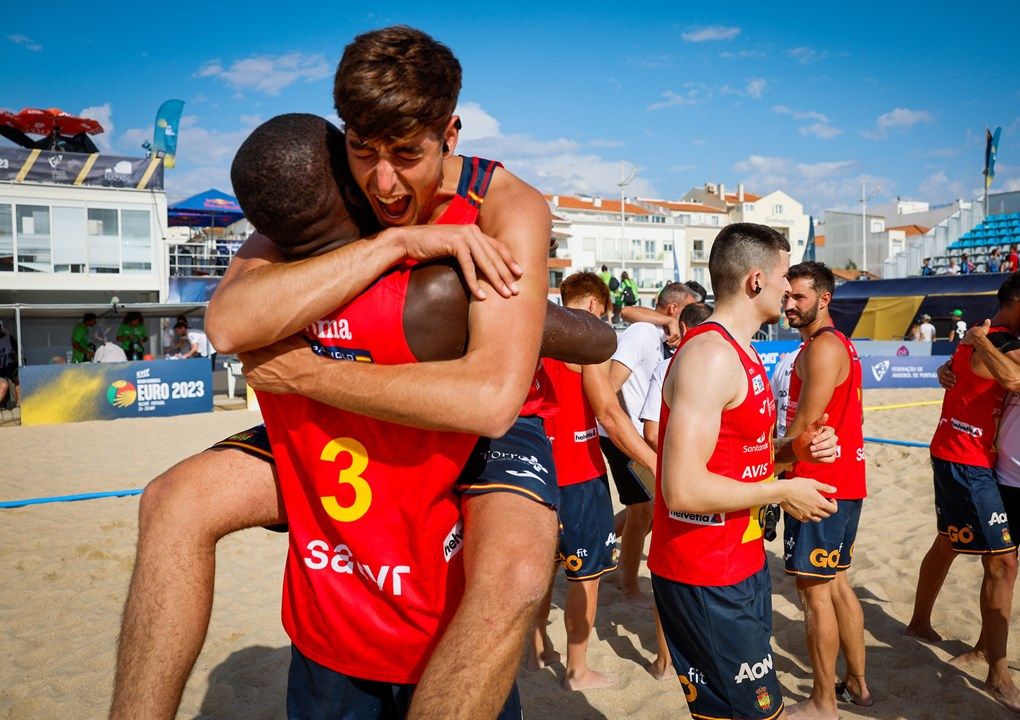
pixel 938 188
pixel 897 119
pixel 476 122
pixel 606 143
pixel 694 94
pixel 805 55
pixel 25 42
pixel 267 73
pixel 756 87
pixel 820 128
pixel 741 54
pixel 656 62
pixel 711 32
pixel 104 115
pixel 818 186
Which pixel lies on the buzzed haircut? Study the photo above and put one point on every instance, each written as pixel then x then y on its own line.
pixel 584 284
pixel 1009 291
pixel 395 82
pixel 738 249
pixel 674 292
pixel 291 180
pixel 700 293
pixel 821 276
pixel 694 314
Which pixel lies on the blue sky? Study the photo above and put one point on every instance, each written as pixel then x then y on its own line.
pixel 805 98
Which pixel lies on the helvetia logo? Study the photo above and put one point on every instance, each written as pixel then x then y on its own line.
pixel 121 393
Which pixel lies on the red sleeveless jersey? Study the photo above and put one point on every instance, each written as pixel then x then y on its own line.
pixel 846 417
pixel 970 414
pixel 720 548
pixel 373 572
pixel 572 430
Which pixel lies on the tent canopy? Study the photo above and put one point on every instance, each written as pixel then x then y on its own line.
pixel 211 208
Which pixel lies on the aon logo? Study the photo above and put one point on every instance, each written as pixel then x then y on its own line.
pixel 756 671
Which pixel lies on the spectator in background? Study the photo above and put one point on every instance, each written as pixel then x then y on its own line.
pixel 927 329
pixel 994 261
pixel 624 294
pixel 953 268
pixel 959 328
pixel 8 367
pixel 914 333
pixel 1014 259
pixel 605 276
pixel 966 266
pixel 131 336
pixel 926 269
pixel 108 352
pixel 700 293
pixel 193 342
pixel 82 347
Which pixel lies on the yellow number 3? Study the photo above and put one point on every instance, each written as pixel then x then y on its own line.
pixel 348 476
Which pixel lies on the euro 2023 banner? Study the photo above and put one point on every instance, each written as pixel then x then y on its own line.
pixel 53 394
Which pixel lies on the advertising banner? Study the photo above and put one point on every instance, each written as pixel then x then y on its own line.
pixel 53 394
pixel 901 371
pixel 68 168
pixel 771 351
pixel 899 348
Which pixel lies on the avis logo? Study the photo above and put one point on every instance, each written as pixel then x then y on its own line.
pixel 880 369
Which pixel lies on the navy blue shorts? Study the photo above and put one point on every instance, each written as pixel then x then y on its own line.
pixel 969 509
pixel 719 641
pixel 588 546
pixel 254 441
pixel 315 692
pixel 520 462
pixel 630 489
pixel 821 549
pixel 1011 502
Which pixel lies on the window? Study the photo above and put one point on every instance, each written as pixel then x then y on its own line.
pixel 69 239
pixel 34 251
pixel 777 209
pixel 667 247
pixel 136 245
pixel 103 241
pixel 649 247
pixel 748 207
pixel 658 219
pixel 684 219
pixel 6 238
pixel 715 220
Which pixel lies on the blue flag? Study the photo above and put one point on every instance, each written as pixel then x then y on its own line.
pixel 991 148
pixel 168 124
pixel 809 249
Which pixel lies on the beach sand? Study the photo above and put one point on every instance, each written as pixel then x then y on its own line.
pixel 65 570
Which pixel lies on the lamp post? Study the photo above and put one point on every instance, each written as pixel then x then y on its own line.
pixel 625 180
pixel 864 225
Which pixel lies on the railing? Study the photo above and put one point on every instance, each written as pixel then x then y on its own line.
pixel 202 259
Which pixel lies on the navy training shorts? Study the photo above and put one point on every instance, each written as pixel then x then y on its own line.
pixel 969 509
pixel 588 545
pixel 821 549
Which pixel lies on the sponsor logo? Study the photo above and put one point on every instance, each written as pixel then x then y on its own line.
pixel 965 428
pixel 753 472
pixel 998 518
pixel 585 435
pixel 331 330
pixel 878 370
pixel 756 671
pixel 689 687
pixel 55 160
pixel 698 518
pixel 758 384
pixel 964 535
pixel 763 699
pixel 1005 536
pixel 860 454
pixel 903 351
pixel 611 540
pixel 242 436
pixel 525 473
pixel 572 563
pixel 768 406
pixel 822 559
pixel 531 460
pixel 341 561
pixel 454 541
pixel 143 373
pixel 761 443
pixel 121 393
pixel 339 353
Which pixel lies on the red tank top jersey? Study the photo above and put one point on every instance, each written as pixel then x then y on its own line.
pixel 846 417
pixel 373 572
pixel 970 414
pixel 720 548
pixel 572 429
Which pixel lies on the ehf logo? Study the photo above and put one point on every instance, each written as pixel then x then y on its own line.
pixel 121 393
pixel 880 369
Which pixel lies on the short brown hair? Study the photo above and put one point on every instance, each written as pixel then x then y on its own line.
pixel 584 284
pixel 739 248
pixel 821 276
pixel 396 82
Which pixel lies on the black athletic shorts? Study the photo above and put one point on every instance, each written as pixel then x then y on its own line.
pixel 630 489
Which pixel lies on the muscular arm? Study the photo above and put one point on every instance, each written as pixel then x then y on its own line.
pixel 576 336
pixel 483 391
pixel 671 325
pixel 616 422
pixel 821 365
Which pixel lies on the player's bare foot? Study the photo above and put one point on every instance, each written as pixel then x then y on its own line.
pixel 660 669
pixel 589 679
pixel 854 690
pixel 639 599
pixel 1008 696
pixel 924 633
pixel 971 657
pixel 808 710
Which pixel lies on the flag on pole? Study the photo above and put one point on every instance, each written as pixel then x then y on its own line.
pixel 676 263
pixel 809 249
pixel 168 123
pixel 991 148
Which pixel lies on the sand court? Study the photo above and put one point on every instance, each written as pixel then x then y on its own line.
pixel 65 570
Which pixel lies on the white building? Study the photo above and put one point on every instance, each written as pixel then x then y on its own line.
pixel 643 246
pixel 701 224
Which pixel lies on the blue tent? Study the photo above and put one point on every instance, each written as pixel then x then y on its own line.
pixel 211 208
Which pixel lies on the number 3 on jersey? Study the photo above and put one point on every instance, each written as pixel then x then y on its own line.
pixel 350 475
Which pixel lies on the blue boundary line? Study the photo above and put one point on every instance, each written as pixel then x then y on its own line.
pixel 67 498
pixel 904 443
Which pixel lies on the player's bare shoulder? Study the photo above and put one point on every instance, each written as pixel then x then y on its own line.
pixel 707 365
pixel 509 196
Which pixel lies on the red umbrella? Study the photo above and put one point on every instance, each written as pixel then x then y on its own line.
pixel 44 122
